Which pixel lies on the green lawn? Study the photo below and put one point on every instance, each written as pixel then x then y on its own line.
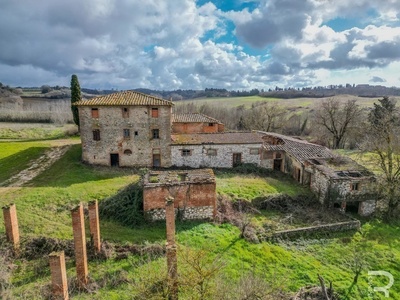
pixel 248 187
pixel 15 156
pixel 44 205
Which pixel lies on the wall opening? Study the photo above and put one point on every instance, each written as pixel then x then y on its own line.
pixel 352 207
pixel 154 112
pixel 114 158
pixel 237 159
pixel 156 160
pixel 95 113
pixel 278 164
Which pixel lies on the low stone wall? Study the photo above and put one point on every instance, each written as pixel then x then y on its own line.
pixel 187 213
pixel 314 230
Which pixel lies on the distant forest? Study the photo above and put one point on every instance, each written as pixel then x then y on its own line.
pixel 361 90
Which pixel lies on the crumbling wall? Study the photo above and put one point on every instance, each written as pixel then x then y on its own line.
pixel 320 185
pixel 191 200
pixel 312 230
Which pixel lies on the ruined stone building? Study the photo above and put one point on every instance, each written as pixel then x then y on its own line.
pixel 131 129
pixel 337 181
pixel 193 191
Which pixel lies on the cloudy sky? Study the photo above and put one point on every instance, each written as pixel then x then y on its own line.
pixel 188 44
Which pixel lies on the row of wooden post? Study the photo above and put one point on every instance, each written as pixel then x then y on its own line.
pixel 57 259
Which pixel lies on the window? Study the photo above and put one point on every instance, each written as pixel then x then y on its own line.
pixel 125 112
pixel 211 124
pixel 96 134
pixel 127 133
pixel 154 112
pixel 211 152
pixel 186 152
pixel 254 151
pixel 136 133
pixel 95 113
pixel 355 186
pixel 182 176
pixel 127 152
pixel 156 133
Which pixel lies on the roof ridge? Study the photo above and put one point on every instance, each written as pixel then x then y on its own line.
pixel 127 97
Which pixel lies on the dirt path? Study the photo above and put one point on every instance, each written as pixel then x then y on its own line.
pixel 37 166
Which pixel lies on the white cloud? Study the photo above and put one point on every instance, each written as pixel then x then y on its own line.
pixel 176 44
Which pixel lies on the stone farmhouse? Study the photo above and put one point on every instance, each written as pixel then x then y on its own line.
pixel 131 129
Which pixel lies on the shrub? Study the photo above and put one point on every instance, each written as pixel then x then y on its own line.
pixel 125 207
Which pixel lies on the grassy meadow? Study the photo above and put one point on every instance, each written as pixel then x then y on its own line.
pixel 291 104
pixel 44 205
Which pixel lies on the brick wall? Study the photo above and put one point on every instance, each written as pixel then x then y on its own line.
pixel 178 127
pixel 192 200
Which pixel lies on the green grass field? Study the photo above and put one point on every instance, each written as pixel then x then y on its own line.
pixel 44 205
pixel 292 104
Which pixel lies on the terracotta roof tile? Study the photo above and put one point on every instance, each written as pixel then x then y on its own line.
pixel 216 138
pixel 193 118
pixel 125 98
pixel 300 149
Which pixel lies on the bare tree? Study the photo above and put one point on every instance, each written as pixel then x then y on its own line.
pixel 383 140
pixel 264 116
pixel 199 270
pixel 337 118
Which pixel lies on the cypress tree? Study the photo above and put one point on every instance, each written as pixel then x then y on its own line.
pixel 75 96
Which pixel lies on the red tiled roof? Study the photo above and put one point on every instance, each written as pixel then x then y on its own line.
pixel 125 98
pixel 216 138
pixel 193 118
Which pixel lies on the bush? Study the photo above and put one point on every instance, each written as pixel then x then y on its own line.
pixel 126 207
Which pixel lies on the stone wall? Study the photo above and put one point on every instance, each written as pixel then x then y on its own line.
pixel 319 185
pixel 367 207
pixel 267 159
pixel 191 200
pixel 339 191
pixel 184 213
pixel 313 230
pixel 222 159
pixel 135 150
